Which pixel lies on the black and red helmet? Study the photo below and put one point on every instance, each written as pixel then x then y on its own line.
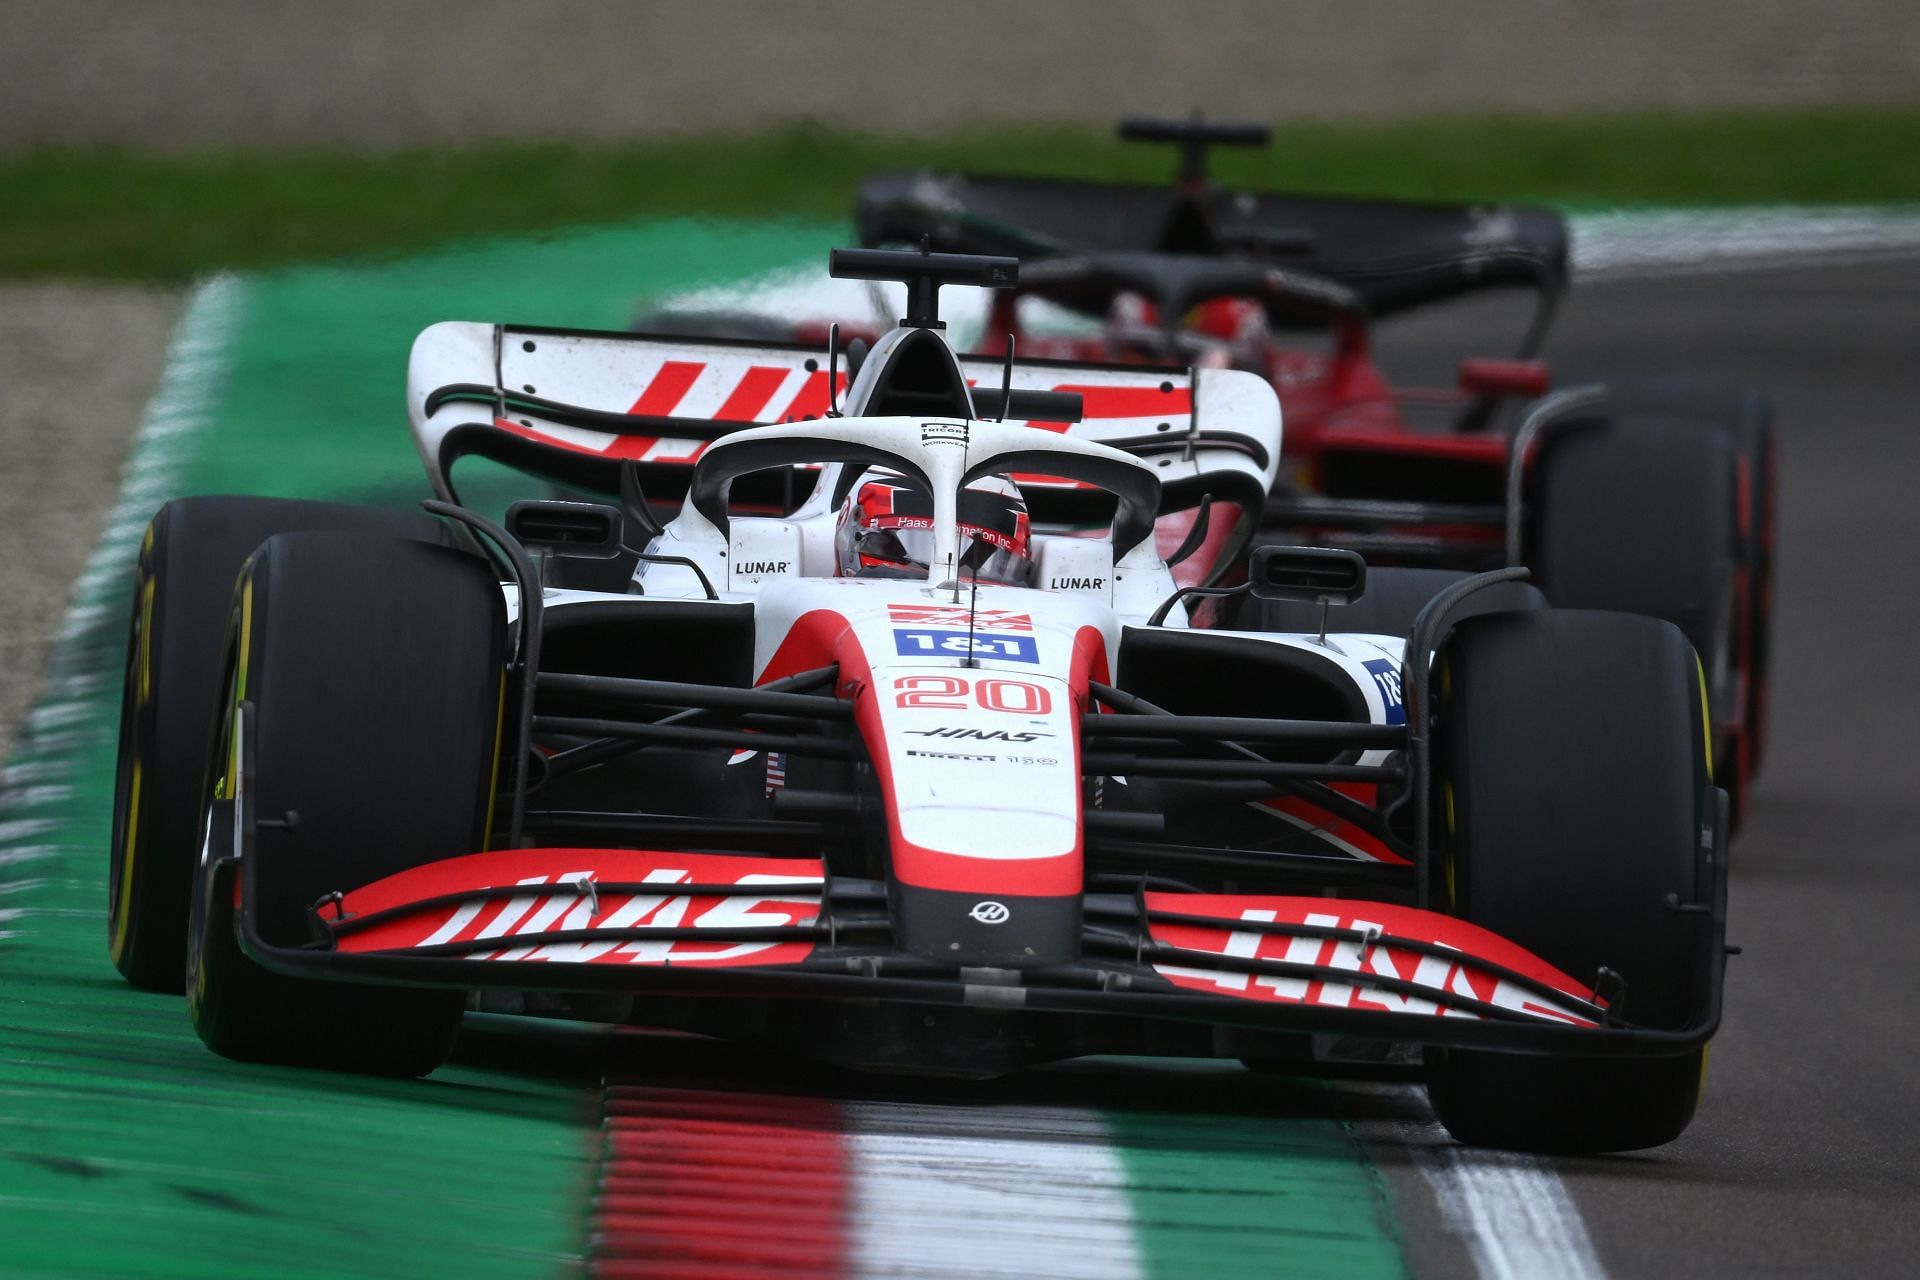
pixel 886 530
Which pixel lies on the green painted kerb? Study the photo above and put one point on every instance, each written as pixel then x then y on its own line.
pixel 1249 1196
pixel 127 1149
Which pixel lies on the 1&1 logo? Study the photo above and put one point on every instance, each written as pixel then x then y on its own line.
pixel 1386 678
pixel 957 644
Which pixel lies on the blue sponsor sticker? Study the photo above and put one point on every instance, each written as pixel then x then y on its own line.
pixel 958 644
pixel 1386 676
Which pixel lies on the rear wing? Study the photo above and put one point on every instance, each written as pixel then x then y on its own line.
pixel 1395 254
pixel 576 406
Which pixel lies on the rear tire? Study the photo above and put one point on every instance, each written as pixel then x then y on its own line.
pixel 1747 419
pixel 183 587
pixel 1570 749
pixel 1640 514
pixel 375 668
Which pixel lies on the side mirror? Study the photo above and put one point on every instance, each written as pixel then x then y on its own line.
pixel 1023 405
pixel 1318 575
pixel 577 530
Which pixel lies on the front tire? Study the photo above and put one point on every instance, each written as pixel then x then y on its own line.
pixel 375 671
pixel 1570 752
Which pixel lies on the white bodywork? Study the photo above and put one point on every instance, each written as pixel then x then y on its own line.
pixel 968 695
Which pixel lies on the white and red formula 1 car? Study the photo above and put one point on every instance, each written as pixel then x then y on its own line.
pixel 947 725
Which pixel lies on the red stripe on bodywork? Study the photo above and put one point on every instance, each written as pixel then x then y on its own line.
pixel 640 447
pixel 720 1186
pixel 554 442
pixel 1098 402
pixel 616 446
pixel 751 396
pixel 811 400
pixel 1339 828
pixel 668 387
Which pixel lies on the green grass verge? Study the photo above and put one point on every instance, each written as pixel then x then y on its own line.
pixel 171 217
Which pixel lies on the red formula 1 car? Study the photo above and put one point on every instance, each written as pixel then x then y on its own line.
pixel 902 744
pixel 1650 495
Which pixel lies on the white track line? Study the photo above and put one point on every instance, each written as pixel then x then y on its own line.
pixel 1511 1211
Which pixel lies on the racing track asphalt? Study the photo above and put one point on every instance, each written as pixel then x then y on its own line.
pixel 1803 1158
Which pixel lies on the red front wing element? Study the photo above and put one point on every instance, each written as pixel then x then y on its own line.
pixel 452 908
pixel 712 911
pixel 1435 952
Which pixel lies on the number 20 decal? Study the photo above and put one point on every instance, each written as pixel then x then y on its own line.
pixel 949 693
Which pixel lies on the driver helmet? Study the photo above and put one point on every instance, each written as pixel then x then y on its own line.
pixel 1132 328
pixel 1239 322
pixel 1220 333
pixel 885 530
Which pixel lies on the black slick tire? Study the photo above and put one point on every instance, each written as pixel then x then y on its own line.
pixel 1746 418
pixel 375 671
pixel 1571 760
pixel 1639 514
pixel 183 585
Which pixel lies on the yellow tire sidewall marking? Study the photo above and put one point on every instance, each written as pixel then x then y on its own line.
pixel 142 695
pixel 123 912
